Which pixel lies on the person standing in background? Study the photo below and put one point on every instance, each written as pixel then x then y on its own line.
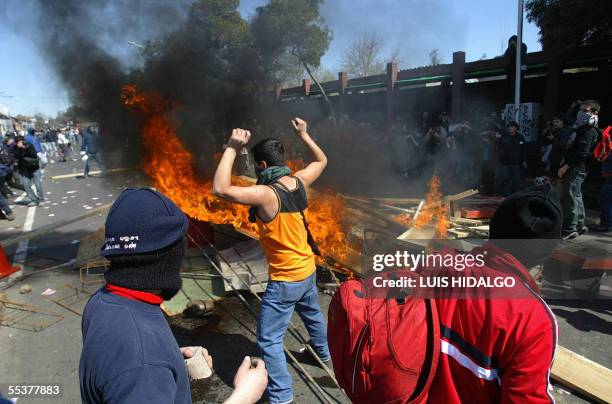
pixel 29 168
pixel 560 135
pixel 573 169
pixel 605 198
pixel 90 150
pixel 512 158
pixel 64 145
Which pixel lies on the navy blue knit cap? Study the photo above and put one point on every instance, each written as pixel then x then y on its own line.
pixel 140 221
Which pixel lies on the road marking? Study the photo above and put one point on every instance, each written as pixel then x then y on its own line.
pixel 22 248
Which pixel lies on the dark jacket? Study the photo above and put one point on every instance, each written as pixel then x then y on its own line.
pixel 90 143
pixel 511 149
pixel 129 354
pixel 580 150
pixel 606 168
pixel 27 160
pixel 33 140
pixel 563 139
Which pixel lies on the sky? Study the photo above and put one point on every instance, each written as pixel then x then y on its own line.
pixel 415 27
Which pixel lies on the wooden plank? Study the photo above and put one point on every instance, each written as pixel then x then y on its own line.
pixel 399 201
pixel 572 258
pixel 468 222
pixel 459 233
pixel 482 201
pixel 462 195
pixel 478 212
pixel 583 375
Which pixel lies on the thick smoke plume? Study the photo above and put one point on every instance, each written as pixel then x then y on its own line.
pixel 202 58
pixel 171 48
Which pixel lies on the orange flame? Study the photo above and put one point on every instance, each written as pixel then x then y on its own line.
pixel 170 167
pixel 404 218
pixel 434 209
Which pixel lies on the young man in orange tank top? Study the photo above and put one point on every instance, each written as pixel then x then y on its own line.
pixel 277 201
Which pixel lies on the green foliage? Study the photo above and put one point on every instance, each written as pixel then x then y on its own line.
pixel 219 22
pixel 565 24
pixel 291 25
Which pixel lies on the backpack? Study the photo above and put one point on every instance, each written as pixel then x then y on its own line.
pixel 384 349
pixel 603 146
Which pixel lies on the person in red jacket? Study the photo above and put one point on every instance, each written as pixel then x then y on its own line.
pixel 501 348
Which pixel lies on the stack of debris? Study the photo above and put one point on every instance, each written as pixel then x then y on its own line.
pixel 464 215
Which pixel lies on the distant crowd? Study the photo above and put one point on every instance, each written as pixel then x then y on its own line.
pixel 491 154
pixel 24 154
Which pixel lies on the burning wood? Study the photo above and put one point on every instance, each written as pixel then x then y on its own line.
pixel 170 166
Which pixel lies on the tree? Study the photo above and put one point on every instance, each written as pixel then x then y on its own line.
pixel 295 26
pixel 434 57
pixel 565 24
pixel 323 74
pixel 363 56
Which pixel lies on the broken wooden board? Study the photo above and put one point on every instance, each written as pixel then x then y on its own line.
pixel 245 266
pixel 587 252
pixel 468 222
pixel 418 233
pixel 582 374
pixel 399 201
pixel 480 229
pixel 459 233
pixel 461 195
pixel 478 212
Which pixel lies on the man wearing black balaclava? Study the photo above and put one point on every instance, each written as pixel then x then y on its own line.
pixel 129 353
pixel 573 170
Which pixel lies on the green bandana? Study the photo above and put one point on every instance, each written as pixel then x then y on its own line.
pixel 267 177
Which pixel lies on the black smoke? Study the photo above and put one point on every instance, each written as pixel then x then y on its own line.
pixel 196 55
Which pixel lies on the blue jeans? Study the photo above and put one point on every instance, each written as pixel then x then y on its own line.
pixel 4 206
pixel 571 200
pixel 98 159
pixel 605 200
pixel 277 306
pixel 39 196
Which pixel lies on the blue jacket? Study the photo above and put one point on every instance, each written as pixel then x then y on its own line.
pixel 31 139
pixel 90 143
pixel 129 354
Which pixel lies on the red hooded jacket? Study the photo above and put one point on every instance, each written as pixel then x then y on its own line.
pixel 496 349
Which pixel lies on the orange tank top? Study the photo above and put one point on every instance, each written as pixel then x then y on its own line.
pixel 284 238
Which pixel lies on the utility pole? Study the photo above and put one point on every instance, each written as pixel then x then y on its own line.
pixel 519 62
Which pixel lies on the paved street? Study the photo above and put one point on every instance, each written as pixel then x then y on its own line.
pixel 52 355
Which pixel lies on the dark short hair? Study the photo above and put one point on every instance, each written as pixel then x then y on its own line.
pixel 270 150
pixel 593 104
pixel 513 123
